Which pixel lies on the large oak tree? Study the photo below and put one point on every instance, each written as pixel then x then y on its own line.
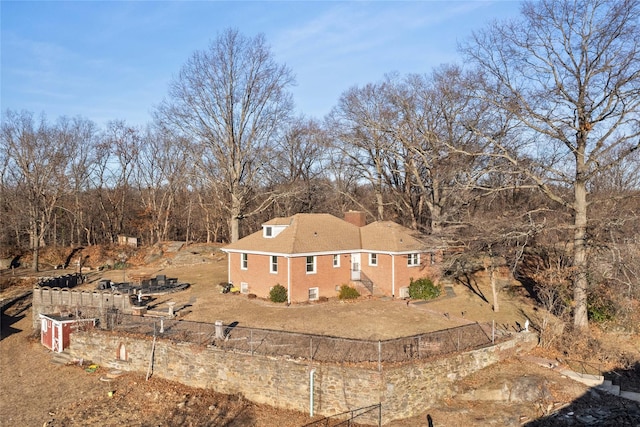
pixel 230 101
pixel 569 72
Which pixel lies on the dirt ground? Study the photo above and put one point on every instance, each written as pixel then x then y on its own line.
pixel 35 392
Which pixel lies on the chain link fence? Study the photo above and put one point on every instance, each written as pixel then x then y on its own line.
pixel 351 418
pixel 319 348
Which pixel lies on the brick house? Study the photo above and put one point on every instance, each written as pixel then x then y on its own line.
pixel 312 255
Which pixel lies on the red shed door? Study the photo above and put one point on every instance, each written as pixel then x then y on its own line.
pixel 56 344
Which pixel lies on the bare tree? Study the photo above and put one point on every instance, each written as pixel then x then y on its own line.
pixel 37 154
pixel 359 128
pixel 161 172
pixel 296 169
pixel 569 71
pixel 116 162
pixel 435 111
pixel 82 140
pixel 230 101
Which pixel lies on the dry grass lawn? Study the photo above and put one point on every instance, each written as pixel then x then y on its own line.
pixel 365 318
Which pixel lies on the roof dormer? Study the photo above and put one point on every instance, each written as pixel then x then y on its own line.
pixel 269 231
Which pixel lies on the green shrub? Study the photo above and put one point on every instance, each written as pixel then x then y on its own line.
pixel 120 265
pixel 278 294
pixel 423 289
pixel 347 292
pixel 601 311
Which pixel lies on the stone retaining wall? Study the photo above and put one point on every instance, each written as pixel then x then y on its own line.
pixel 403 390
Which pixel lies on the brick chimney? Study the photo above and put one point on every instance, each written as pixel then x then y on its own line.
pixel 357 218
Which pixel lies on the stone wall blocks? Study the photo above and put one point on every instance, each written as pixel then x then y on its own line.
pixel 405 390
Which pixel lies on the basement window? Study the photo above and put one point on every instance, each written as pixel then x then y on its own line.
pixel 314 294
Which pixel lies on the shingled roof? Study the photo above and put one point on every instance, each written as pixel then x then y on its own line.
pixel 305 233
pixel 388 236
pixel 321 233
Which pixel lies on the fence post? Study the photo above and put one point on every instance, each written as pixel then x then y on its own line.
pixel 493 331
pixel 458 348
pixel 311 348
pixel 419 342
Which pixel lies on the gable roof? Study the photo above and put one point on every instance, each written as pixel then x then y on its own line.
pixel 304 233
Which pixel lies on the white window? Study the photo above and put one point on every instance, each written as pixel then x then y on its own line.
pixel 336 261
pixel 244 288
pixel 373 259
pixel 311 265
pixel 413 260
pixel 268 231
pixel 274 264
pixel 244 261
pixel 314 294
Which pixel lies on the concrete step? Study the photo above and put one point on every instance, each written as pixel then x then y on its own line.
pixel 63 358
pixel 587 379
pixel 363 287
pixel 118 365
pixel 631 395
pixel 607 387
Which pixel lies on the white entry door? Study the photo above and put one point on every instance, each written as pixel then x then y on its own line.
pixel 355 266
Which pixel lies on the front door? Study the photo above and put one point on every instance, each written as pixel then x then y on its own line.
pixel 355 267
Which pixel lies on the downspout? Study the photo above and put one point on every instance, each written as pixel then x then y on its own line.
pixel 289 280
pixel 311 382
pixel 393 275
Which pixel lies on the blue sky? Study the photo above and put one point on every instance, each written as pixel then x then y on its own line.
pixel 114 59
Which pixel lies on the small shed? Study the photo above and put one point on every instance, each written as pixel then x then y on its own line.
pixel 56 329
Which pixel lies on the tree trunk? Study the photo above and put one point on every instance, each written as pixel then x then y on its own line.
pixel 380 206
pixel 436 218
pixel 490 268
pixel 234 218
pixel 580 318
pixel 36 256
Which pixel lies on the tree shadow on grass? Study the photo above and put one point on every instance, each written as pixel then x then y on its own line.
pixel 7 321
pixel 471 283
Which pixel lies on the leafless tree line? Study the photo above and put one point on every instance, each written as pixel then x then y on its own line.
pixel 532 146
